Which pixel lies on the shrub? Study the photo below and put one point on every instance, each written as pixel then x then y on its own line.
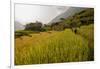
pixel 34 26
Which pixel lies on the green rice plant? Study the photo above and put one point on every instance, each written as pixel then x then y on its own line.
pixel 55 47
pixel 88 33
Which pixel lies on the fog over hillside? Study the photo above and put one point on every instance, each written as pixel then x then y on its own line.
pixel 31 13
pixel 46 14
pixel 18 26
pixel 71 11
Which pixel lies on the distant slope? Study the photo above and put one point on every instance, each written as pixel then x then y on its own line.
pixel 84 17
pixel 71 11
pixel 18 26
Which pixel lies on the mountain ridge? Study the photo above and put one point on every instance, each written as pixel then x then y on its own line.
pixel 71 11
pixel 18 26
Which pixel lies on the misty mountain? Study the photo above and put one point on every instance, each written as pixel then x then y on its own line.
pixel 18 26
pixel 70 12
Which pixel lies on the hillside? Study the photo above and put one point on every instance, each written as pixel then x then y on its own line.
pixel 68 40
pixel 70 12
pixel 18 26
pixel 81 18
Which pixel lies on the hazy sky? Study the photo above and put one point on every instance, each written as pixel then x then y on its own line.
pixel 31 13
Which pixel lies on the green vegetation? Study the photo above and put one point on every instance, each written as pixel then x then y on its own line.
pixel 88 33
pixel 70 40
pixel 20 33
pixel 84 17
pixel 56 47
pixel 37 26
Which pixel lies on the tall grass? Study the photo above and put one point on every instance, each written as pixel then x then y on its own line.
pixel 55 47
pixel 88 33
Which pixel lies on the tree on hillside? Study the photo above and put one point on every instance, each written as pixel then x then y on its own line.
pixel 62 18
pixel 37 26
pixel 75 22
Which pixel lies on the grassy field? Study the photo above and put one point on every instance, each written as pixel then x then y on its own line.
pixel 88 33
pixel 55 47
